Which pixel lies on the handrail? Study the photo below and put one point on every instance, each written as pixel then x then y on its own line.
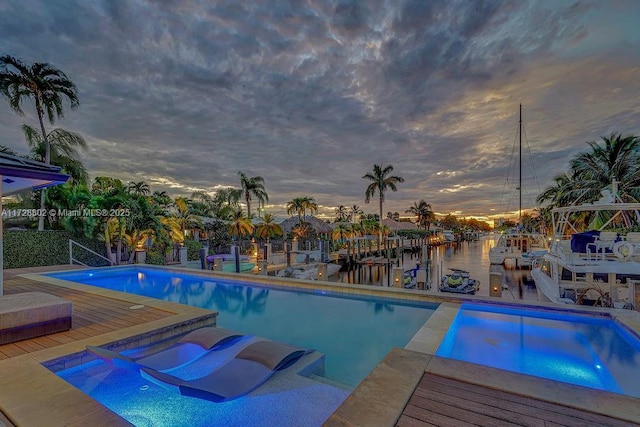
pixel 72 259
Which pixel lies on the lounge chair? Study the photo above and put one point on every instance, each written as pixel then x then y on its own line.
pixel 188 349
pixel 249 369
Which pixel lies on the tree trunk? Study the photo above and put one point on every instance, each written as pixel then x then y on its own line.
pixel 380 228
pixel 107 243
pixel 47 160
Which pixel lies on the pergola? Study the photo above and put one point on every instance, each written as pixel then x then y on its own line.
pixel 18 174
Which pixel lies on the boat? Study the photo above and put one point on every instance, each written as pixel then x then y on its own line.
pixel 594 267
pixel 308 272
pixel 516 248
pixel 449 235
pixel 459 282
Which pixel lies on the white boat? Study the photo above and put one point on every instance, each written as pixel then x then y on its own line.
pixel 309 272
pixel 459 282
pixel 594 267
pixel 449 235
pixel 518 249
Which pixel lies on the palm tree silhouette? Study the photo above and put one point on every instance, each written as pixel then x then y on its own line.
pixel 44 84
pixel 252 186
pixel 381 181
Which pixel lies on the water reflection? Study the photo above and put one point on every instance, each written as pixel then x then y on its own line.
pixel 469 256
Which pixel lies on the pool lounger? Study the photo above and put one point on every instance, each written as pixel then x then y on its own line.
pixel 188 349
pixel 249 369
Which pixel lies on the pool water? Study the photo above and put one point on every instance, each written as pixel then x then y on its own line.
pixel 354 333
pixel 588 351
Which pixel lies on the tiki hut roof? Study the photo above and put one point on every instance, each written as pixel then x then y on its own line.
pixel 399 225
pixel 317 224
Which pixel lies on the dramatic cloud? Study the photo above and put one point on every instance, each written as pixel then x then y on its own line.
pixel 309 95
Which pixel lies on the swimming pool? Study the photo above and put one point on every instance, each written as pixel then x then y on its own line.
pixel 590 351
pixel 354 333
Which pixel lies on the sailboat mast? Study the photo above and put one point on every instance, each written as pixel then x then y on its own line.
pixel 520 166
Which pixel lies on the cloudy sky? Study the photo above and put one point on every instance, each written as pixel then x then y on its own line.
pixel 310 94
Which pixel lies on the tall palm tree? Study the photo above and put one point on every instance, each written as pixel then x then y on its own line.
pixel 342 213
pixel 424 214
pixel 252 187
pixel 309 203
pixel 47 86
pixel 382 180
pixel 354 212
pixel 296 205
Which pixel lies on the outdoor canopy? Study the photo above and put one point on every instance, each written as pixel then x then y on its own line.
pixel 18 174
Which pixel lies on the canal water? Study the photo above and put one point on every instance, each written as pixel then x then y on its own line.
pixel 469 256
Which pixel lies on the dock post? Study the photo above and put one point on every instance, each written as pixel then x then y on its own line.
pixel 495 284
pixel 262 267
pixel 322 271
pixel 397 277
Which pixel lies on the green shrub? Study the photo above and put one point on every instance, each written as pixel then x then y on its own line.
pixel 155 257
pixel 31 248
pixel 193 250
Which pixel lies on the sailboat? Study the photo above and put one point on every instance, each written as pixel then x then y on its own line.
pixel 516 248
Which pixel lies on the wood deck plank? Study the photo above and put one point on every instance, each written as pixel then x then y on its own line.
pixel 445 401
pixel 93 314
pixel 558 411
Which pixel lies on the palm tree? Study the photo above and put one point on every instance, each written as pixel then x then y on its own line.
pixel 309 203
pixel 561 193
pixel 342 213
pixel 381 181
pixel 252 186
pixel 268 228
pixel 138 188
pixel 422 210
pixel 354 212
pixel 615 160
pixel 44 84
pixel 296 205
pixel 184 216
pixel 162 199
pixel 342 232
pixel 240 225
pixel 63 146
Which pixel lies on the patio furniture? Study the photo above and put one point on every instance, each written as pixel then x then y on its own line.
pixel 249 369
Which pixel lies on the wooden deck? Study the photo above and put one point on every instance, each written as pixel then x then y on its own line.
pixel 93 315
pixel 441 401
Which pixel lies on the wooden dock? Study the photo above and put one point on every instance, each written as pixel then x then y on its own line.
pixel 441 401
pixel 93 315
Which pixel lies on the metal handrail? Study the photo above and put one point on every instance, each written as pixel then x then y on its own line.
pixel 72 259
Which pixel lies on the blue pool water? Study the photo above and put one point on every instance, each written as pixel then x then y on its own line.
pixel 354 333
pixel 588 351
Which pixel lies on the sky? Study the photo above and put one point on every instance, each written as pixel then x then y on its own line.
pixel 311 94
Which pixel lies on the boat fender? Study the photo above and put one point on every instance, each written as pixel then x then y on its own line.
pixel 623 250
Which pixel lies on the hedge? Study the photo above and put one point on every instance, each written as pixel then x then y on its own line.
pixel 30 248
